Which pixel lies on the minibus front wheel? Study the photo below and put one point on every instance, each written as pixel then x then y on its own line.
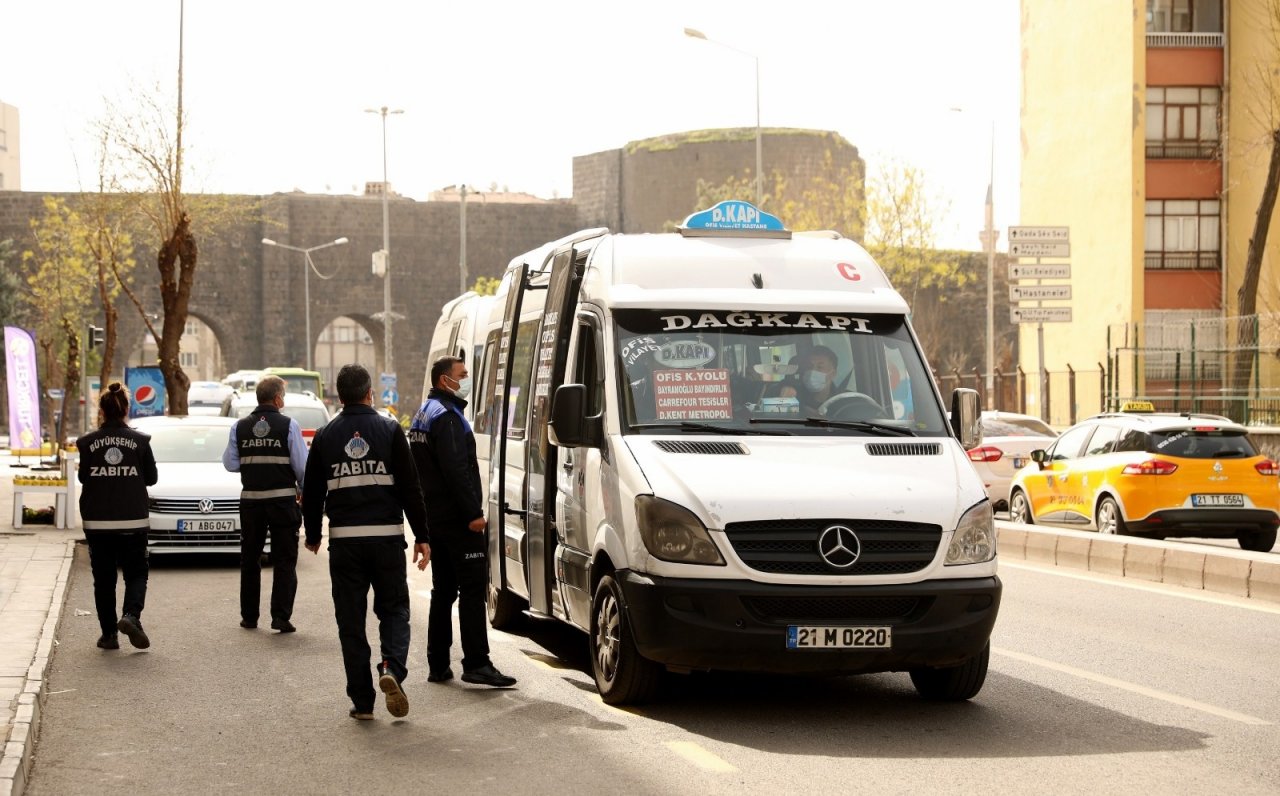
pixel 623 676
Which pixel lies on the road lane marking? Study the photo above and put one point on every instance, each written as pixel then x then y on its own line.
pixel 1142 690
pixel 1153 588
pixel 700 757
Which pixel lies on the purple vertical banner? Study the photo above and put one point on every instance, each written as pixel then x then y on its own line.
pixel 24 389
pixel 146 388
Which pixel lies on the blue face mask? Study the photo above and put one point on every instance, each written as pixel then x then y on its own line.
pixel 816 380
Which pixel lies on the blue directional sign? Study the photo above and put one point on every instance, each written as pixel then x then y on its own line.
pixel 390 395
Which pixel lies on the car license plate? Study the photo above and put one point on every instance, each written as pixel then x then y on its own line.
pixel 1217 500
pixel 189 526
pixel 804 637
pixel 1019 462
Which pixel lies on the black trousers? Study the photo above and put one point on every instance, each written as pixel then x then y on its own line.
pixel 109 551
pixel 281 519
pixel 459 571
pixel 355 566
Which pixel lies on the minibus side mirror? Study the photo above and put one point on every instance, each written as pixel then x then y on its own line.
pixel 570 427
pixel 966 411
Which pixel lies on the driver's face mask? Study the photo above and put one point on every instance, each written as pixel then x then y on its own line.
pixel 816 380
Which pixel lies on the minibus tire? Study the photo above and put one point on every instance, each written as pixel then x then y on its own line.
pixel 953 683
pixel 505 609
pixel 623 676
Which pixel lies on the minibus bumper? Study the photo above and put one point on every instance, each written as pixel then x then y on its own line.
pixel 743 625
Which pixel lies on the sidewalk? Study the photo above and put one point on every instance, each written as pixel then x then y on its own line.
pixel 35 562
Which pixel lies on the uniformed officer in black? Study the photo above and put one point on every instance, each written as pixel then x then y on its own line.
pixel 444 449
pixel 360 473
pixel 268 451
pixel 116 467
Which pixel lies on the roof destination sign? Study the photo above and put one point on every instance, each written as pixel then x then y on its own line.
pixel 736 218
pixel 1039 234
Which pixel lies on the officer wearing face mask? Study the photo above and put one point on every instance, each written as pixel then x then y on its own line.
pixel 444 449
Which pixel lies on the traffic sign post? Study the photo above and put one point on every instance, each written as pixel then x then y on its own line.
pixel 1038 242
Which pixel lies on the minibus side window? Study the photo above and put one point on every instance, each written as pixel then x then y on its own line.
pixel 484 398
pixel 519 388
pixel 588 369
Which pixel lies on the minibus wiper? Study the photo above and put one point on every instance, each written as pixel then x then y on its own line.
pixel 859 425
pixel 688 425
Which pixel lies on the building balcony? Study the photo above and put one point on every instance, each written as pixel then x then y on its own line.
pixel 1182 261
pixel 1183 150
pixel 1186 40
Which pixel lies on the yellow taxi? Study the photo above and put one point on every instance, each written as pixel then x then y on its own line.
pixel 1153 474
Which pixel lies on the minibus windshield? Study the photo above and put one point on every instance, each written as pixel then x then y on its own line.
pixel 756 370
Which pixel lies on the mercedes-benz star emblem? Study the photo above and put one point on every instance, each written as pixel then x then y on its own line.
pixel 206 506
pixel 839 547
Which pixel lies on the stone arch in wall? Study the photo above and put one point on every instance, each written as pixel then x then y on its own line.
pixel 342 340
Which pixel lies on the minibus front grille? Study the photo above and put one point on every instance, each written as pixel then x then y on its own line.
pixel 790 547
pixel 700 446
pixel 851 609
pixel 904 448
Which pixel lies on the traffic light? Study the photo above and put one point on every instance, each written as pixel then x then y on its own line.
pixel 95 337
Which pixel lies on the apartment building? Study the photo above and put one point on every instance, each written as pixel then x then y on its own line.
pixel 1141 132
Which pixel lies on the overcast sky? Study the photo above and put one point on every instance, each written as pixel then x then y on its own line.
pixel 507 93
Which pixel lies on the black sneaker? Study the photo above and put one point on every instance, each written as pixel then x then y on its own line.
pixel 109 641
pixel 487 675
pixel 439 675
pixel 397 702
pixel 283 625
pixel 360 715
pixel 249 624
pixel 131 627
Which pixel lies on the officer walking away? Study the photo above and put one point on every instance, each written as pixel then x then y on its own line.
pixel 116 467
pixel 268 451
pixel 361 474
pixel 444 448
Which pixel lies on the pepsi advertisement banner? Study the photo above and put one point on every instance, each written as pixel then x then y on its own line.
pixel 146 391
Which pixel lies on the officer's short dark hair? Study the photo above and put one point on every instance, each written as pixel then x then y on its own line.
pixel 353 384
pixel 269 388
pixel 442 367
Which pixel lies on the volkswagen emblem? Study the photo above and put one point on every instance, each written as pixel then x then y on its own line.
pixel 839 547
pixel 206 506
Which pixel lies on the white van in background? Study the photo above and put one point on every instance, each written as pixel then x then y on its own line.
pixel 458 333
pixel 722 449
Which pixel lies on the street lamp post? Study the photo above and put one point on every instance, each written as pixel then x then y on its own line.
pixel 306 279
pixel 388 361
pixel 697 34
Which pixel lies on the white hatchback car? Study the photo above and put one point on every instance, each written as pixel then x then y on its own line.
pixel 195 504
pixel 1007 441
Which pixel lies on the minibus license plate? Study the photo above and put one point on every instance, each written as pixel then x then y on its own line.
pixel 1217 500
pixel 804 637
pixel 188 526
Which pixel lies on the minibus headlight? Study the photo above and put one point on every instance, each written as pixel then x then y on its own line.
pixel 974 541
pixel 672 533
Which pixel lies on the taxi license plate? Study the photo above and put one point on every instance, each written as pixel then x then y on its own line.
pixel 804 637
pixel 1217 500
pixel 189 526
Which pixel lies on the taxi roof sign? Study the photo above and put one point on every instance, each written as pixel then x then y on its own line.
pixel 1138 407
pixel 734 218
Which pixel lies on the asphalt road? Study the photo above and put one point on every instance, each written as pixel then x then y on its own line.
pixel 1095 684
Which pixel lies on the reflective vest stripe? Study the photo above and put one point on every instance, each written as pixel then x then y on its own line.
pixel 117 525
pixel 264 460
pixel 260 494
pixel 352 531
pixel 369 479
